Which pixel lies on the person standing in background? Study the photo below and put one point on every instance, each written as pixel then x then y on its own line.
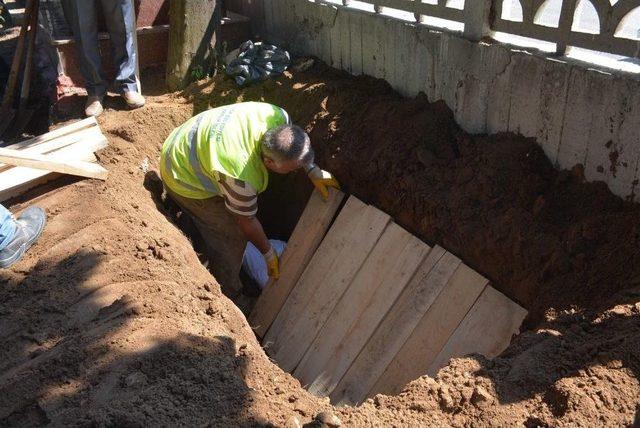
pixel 120 20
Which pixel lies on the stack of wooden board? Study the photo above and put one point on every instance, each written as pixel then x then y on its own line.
pixel 363 307
pixel 66 150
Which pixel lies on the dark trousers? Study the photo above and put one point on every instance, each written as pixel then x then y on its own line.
pixel 224 242
pixel 120 19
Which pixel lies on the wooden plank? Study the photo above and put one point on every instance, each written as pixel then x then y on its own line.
pixel 304 241
pixel 394 330
pixel 525 90
pixel 269 20
pixel 305 21
pixel 327 15
pixel 345 39
pixel 429 45
pixel 499 100
pixel 277 22
pixel 336 39
pixel 471 105
pixel 85 135
pixel 389 267
pixel 553 99
pixel 390 49
pixel 356 41
pixel 80 168
pixel 19 180
pixel 450 74
pixel 370 45
pixel 432 332
pixel 417 66
pixel 288 29
pixel 604 126
pixel 328 274
pixel 487 329
pixel 625 181
pixel 380 27
pixel 577 120
pixel 404 58
pixel 56 133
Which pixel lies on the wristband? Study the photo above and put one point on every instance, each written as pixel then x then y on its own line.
pixel 269 254
pixel 311 167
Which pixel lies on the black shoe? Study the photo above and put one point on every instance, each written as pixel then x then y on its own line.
pixel 30 225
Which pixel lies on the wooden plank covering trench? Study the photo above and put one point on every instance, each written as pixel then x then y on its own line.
pixel 388 268
pixel 306 237
pixel 326 278
pixel 368 307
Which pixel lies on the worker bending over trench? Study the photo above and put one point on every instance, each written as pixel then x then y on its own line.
pixel 215 164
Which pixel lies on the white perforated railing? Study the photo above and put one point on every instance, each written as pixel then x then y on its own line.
pixel 610 26
pixel 590 24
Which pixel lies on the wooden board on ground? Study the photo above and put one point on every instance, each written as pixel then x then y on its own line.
pixel 18 180
pixel 428 282
pixel 87 137
pixel 304 241
pixel 431 334
pixel 75 142
pixel 487 329
pixel 328 274
pixel 389 267
pixel 56 133
pixel 32 160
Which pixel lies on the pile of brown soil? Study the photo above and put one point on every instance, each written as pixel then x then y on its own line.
pixel 544 237
pixel 111 319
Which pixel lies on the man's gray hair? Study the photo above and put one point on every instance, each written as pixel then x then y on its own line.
pixel 287 142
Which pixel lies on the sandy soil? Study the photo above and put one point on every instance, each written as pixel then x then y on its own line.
pixel 111 319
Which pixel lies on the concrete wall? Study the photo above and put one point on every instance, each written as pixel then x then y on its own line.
pixel 577 114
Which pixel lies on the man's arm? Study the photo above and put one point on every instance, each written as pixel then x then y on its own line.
pixel 252 229
pixel 241 201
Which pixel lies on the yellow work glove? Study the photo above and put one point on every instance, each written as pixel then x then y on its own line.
pixel 322 180
pixel 273 265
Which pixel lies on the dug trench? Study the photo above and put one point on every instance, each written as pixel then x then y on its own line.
pixel 111 319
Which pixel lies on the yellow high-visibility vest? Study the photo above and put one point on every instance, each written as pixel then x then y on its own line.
pixel 224 140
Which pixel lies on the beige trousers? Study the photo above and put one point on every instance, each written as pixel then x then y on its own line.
pixel 224 242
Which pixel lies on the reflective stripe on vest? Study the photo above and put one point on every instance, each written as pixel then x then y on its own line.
pixel 194 162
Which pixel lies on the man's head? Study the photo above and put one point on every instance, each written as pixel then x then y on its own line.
pixel 286 148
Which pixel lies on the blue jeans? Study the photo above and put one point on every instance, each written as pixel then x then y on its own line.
pixel 121 23
pixel 7 227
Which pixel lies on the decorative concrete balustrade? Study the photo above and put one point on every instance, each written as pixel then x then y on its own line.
pixel 481 16
pixel 578 112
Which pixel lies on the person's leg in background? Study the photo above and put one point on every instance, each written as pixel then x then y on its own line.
pixel 120 18
pixel 81 16
pixel 17 235
pixel 7 227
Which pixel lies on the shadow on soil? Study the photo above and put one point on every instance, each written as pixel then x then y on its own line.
pixel 66 358
pixel 568 354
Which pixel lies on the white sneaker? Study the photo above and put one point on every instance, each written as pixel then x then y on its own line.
pixel 133 99
pixel 29 227
pixel 93 107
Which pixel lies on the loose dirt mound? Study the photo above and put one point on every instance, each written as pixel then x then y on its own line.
pixel 545 238
pixel 111 319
